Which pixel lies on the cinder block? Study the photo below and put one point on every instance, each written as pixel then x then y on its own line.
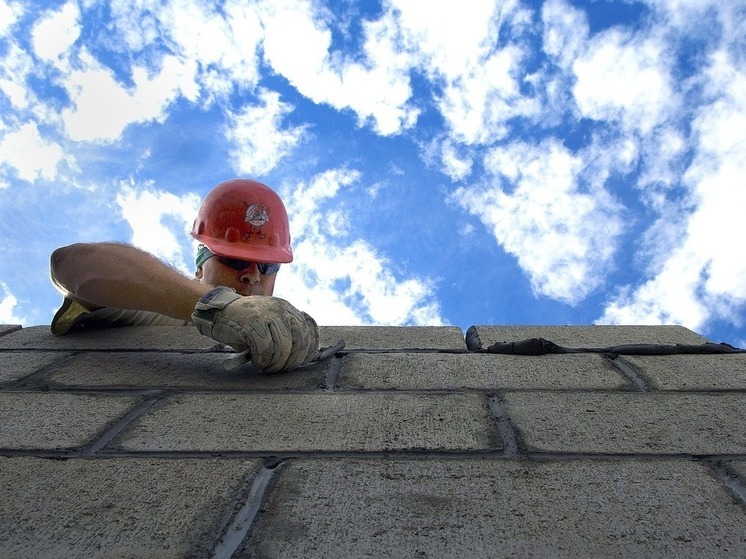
pixel 626 422
pixel 394 337
pixel 129 507
pixel 692 372
pixel 497 508
pixel 195 371
pixel 313 422
pixel 15 365
pixel 412 371
pixel 590 336
pixel 57 421
pixel 132 337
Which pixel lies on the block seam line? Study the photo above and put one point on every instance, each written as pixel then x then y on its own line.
pixel 333 369
pixel 114 429
pixel 10 329
pixel 730 479
pixel 240 526
pixel 32 380
pixel 512 446
pixel 630 372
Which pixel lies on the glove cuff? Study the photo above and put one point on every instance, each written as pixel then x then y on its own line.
pixel 217 298
pixel 209 305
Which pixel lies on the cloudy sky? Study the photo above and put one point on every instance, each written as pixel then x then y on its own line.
pixel 443 162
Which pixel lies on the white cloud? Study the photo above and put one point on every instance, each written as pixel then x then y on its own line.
pixel 456 44
pixel 29 154
pixel 15 66
pixel 624 77
pixel 258 135
pixel 452 38
pixel 456 164
pixel 702 277
pixel 664 150
pixel 223 42
pixel 136 23
pixel 56 32
pixel 478 105
pixel 161 222
pixel 562 233
pixel 345 281
pixel 8 304
pixel 219 47
pixel 297 44
pixel 565 31
pixel 9 14
pixel 104 108
pixel 689 15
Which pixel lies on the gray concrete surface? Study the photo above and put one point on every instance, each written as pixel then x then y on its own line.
pixel 129 507
pixel 135 442
pixel 185 338
pixel 413 371
pixel 687 372
pixel 498 508
pixel 175 370
pixel 15 364
pixel 629 423
pixel 590 336
pixel 57 421
pixel 313 422
pixel 394 337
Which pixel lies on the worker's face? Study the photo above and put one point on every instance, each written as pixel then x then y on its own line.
pixel 247 281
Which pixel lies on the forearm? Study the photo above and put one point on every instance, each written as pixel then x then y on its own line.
pixel 122 276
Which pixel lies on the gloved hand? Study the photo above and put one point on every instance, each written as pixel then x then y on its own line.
pixel 278 336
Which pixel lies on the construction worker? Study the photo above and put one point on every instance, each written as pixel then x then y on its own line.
pixel 243 229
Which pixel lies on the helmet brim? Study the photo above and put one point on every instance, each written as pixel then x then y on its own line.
pixel 281 255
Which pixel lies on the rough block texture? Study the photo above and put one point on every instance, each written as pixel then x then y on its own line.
pixel 313 422
pixel 129 338
pixel 590 336
pixel 388 337
pixel 194 371
pixel 56 421
pixel 692 372
pixel 412 371
pixel 15 365
pixel 610 423
pixel 135 442
pixel 8 328
pixel 487 508
pixel 131 507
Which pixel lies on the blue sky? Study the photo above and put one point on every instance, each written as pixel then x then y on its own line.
pixel 475 162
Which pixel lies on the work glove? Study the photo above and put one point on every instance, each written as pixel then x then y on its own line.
pixel 276 335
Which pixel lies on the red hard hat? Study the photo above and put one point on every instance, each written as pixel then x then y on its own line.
pixel 244 219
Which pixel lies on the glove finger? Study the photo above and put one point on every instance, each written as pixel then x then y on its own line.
pixel 262 344
pixel 303 341
pixel 228 333
pixel 313 338
pixel 282 344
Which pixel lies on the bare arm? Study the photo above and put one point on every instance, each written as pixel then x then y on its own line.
pixel 122 276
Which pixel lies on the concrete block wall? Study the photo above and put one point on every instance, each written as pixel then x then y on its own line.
pixel 136 442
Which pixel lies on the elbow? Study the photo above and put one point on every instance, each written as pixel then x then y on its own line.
pixel 62 266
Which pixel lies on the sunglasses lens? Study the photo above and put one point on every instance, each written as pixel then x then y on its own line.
pixel 234 263
pixel 269 268
pixel 265 268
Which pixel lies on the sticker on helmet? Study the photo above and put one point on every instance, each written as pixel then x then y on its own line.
pixel 256 216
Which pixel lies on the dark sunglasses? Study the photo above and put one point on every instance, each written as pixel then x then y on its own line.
pixel 265 268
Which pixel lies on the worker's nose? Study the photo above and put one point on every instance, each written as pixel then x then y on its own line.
pixel 251 274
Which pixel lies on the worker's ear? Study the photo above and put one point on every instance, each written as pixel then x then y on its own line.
pixel 198 273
